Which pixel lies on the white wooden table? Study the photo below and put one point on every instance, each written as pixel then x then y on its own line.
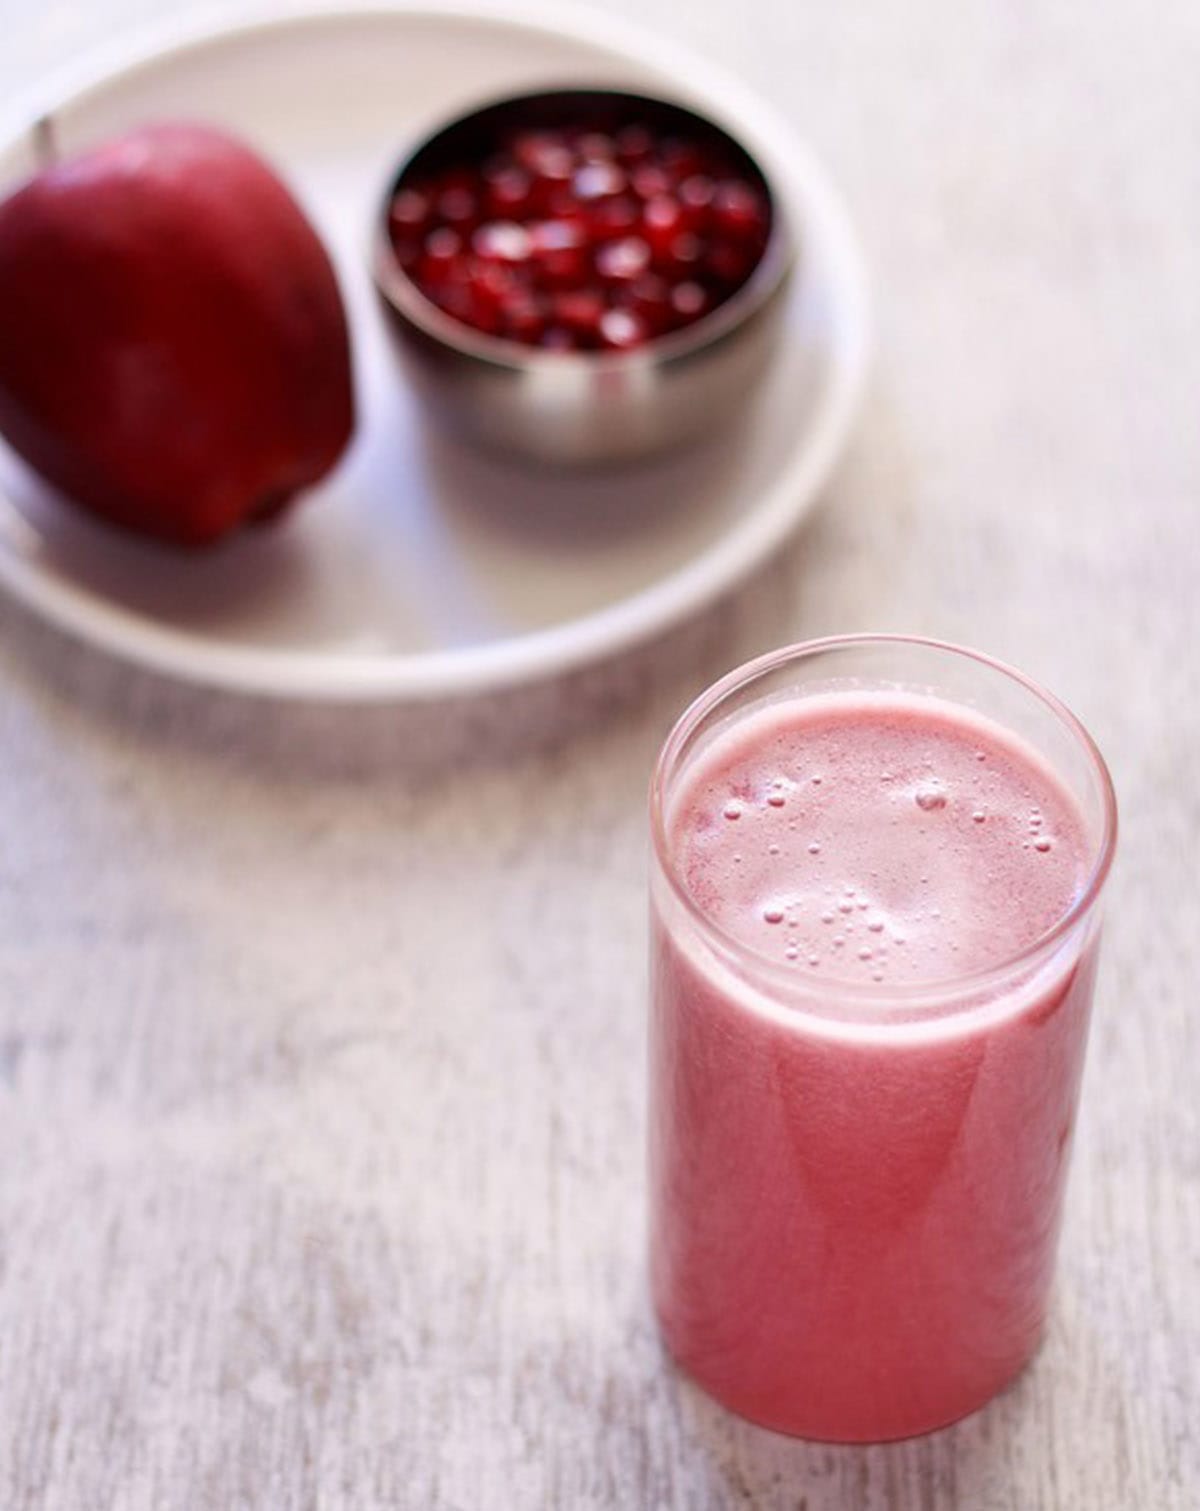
pixel 321 1038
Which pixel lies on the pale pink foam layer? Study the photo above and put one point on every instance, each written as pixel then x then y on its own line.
pixel 880 837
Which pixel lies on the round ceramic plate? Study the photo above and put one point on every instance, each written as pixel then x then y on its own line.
pixel 420 568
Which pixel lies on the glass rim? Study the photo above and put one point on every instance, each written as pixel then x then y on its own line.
pixel 860 991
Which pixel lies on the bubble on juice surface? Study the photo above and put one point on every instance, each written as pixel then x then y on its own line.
pixel 814 848
pixel 792 952
pixel 978 816
pixel 845 906
pixel 930 797
pixel 827 917
pixel 875 925
pixel 772 849
pixel 865 952
pixel 772 913
pixel 1043 844
pixel 733 809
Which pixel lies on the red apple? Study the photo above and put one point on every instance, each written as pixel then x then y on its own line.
pixel 173 349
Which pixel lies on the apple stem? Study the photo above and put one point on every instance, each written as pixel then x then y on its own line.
pixel 45 142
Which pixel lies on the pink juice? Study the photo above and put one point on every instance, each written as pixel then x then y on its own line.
pixel 859 1137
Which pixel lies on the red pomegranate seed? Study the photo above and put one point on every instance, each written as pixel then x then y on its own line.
pixel 523 319
pixel 649 181
pixel 457 207
pixel 621 329
pixel 738 209
pixel 596 147
pixel 614 217
pixel 633 144
pixel 407 254
pixel 662 221
pixel 554 236
pixel 579 310
pixel 598 181
pixel 442 250
pixel 409 213
pixel 507 192
pixel 491 283
pixel 565 269
pixel 729 263
pixel 684 255
pixel 534 149
pixel 695 194
pixel 650 296
pixel 622 261
pixel 689 300
pixel 502 241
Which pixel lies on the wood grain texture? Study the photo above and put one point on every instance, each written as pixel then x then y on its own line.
pixel 321 1034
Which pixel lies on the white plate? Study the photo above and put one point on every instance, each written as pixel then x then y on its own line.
pixel 420 569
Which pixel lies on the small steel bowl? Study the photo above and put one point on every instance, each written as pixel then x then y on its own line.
pixel 583 408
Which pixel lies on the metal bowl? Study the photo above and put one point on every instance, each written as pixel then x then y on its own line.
pixel 582 408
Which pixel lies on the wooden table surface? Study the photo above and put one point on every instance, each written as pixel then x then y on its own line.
pixel 321 1068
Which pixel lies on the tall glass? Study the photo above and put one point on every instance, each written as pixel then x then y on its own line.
pixel 856 1187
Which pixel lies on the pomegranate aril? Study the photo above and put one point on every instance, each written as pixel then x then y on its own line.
pixel 598 181
pixel 407 254
pixel 623 261
pixel 596 147
pixel 579 310
pixel 443 248
pixel 523 319
pixel 507 192
pixel 689 301
pixel 502 241
pixel 408 214
pixel 554 236
pixel 534 149
pixel 650 296
pixel 457 207
pixel 662 221
pixel 648 181
pixel 614 217
pixel 633 143
pixel 729 263
pixel 621 329
pixel 695 195
pixel 684 256
pixel 490 282
pixel 563 270
pixel 738 209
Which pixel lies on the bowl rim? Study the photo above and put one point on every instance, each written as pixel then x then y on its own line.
pixel 770 273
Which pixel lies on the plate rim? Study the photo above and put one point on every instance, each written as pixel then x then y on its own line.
pixel 534 655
